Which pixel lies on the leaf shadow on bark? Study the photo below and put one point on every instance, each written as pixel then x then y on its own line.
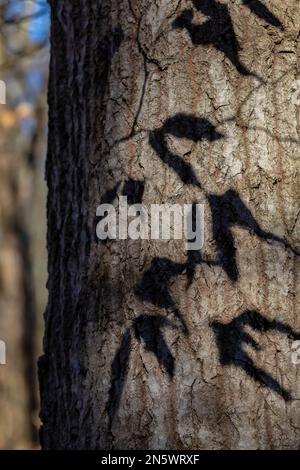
pixel 229 210
pixel 134 191
pixel 230 338
pixel 217 30
pixel 181 126
pixel 147 329
pixel 154 286
pixel 119 371
pixel 262 12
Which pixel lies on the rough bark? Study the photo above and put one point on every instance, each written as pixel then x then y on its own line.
pixel 146 347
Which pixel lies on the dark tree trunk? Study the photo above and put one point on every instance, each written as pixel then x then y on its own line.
pixel 146 347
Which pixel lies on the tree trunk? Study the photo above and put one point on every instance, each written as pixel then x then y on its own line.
pixel 146 345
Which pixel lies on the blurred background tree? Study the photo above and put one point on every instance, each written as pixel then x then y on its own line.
pixel 24 59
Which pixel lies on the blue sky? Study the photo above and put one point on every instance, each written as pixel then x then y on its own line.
pixel 38 26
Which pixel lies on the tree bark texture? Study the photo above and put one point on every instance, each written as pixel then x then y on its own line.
pixel 147 346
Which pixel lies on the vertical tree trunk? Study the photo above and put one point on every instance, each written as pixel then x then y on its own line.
pixel 147 346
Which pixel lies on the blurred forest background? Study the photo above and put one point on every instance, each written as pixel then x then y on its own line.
pixel 24 62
